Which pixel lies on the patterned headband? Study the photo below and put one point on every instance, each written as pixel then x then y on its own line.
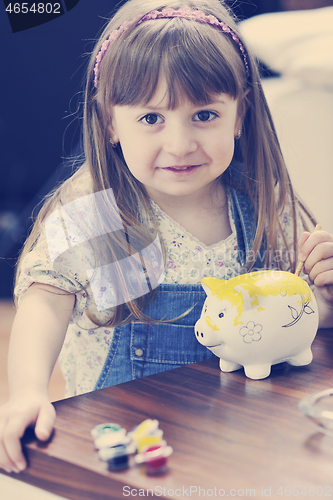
pixel 163 14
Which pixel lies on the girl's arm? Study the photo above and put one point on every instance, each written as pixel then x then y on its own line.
pixel 37 336
pixel 317 251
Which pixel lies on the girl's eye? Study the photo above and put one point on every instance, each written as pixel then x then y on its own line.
pixel 221 315
pixel 204 116
pixel 151 119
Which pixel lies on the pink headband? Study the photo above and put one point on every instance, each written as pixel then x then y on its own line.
pixel 168 13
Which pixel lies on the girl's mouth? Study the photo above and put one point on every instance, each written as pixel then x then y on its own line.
pixel 182 170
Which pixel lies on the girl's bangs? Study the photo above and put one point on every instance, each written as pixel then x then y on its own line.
pixel 196 60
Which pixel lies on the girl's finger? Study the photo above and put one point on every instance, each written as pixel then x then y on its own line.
pixel 5 461
pixel 319 260
pixel 45 422
pixel 322 273
pixel 313 241
pixel 303 239
pixel 12 434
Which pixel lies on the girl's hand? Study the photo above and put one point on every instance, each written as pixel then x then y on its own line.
pixel 316 251
pixel 22 410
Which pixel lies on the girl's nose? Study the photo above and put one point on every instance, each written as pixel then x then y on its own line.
pixel 179 140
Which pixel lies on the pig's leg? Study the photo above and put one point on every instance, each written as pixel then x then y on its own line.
pixel 257 371
pixel 303 358
pixel 228 366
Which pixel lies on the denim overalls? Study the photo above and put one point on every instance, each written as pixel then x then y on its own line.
pixel 139 349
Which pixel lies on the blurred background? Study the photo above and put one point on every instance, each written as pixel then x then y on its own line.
pixel 43 70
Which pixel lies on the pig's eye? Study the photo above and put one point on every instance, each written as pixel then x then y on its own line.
pixel 221 315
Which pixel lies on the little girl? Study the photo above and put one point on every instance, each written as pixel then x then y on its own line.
pixel 182 178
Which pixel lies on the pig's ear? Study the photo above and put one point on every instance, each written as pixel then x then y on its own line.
pixel 212 286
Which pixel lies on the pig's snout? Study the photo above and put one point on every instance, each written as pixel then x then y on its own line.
pixel 200 331
pixel 205 334
pixel 199 334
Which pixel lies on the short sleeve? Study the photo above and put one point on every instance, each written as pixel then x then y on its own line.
pixel 37 267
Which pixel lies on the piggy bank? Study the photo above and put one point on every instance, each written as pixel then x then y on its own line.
pixel 258 319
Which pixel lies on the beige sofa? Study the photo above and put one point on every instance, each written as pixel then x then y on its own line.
pixel 299 46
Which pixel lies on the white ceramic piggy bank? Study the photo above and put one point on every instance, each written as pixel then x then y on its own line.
pixel 258 319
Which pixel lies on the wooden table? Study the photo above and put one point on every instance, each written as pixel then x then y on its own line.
pixel 232 436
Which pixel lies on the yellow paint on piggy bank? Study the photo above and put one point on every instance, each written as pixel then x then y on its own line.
pixel 258 319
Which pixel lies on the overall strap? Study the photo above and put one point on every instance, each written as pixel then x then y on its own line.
pixel 244 216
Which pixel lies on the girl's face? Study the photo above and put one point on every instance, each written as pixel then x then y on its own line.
pixel 177 152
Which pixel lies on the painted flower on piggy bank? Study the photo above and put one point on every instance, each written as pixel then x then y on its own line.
pixel 258 319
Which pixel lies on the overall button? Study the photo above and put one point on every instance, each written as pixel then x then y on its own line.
pixel 139 352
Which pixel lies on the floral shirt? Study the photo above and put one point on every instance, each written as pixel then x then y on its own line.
pixel 187 261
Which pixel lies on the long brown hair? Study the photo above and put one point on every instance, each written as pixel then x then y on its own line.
pixel 199 62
